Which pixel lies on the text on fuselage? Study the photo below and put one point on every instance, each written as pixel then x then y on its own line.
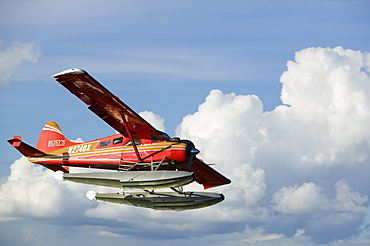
pixel 79 148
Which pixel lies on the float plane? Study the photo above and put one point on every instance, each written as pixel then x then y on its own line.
pixel 140 157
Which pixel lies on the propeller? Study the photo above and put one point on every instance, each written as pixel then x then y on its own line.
pixel 195 151
pixel 192 152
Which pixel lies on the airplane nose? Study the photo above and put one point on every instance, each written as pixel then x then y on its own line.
pixel 191 151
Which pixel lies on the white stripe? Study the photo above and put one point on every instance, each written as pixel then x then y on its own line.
pixel 53 129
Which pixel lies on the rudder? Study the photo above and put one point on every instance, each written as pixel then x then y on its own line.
pixel 51 138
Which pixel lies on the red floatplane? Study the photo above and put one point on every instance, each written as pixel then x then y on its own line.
pixel 143 157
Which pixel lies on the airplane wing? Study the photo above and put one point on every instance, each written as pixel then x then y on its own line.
pixel 103 103
pixel 206 175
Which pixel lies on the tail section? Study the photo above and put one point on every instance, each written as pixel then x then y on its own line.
pixel 51 138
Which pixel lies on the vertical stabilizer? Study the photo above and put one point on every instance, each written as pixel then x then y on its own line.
pixel 52 138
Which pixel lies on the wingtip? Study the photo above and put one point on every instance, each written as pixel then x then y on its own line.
pixel 69 71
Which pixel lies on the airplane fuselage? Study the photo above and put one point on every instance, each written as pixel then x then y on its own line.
pixel 117 152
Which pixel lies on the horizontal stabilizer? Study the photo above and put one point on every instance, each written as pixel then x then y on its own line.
pixel 25 149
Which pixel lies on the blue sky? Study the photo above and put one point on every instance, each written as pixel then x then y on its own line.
pixel 166 57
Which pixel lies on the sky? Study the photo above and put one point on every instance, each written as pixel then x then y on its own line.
pixel 276 93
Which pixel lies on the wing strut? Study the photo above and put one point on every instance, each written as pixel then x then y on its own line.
pixel 131 138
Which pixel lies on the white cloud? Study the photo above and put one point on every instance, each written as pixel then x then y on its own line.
pixel 300 170
pixel 319 139
pixel 22 196
pixel 154 120
pixel 32 190
pixel 307 198
pixel 229 121
pixel 12 56
pixel 108 234
pixel 328 94
pixel 346 200
pixel 77 140
pixel 260 238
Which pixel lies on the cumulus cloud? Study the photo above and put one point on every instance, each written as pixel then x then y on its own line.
pixel 328 94
pixel 32 191
pixel 309 152
pixel 299 171
pixel 307 198
pixel 21 196
pixel 153 119
pixel 12 56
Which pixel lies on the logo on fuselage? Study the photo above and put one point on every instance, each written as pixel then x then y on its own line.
pixel 56 143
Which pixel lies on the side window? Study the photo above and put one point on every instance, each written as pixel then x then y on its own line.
pixel 137 142
pixel 118 140
pixel 105 143
pixel 154 138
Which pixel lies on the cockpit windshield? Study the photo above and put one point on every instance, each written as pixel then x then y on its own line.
pixel 163 135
